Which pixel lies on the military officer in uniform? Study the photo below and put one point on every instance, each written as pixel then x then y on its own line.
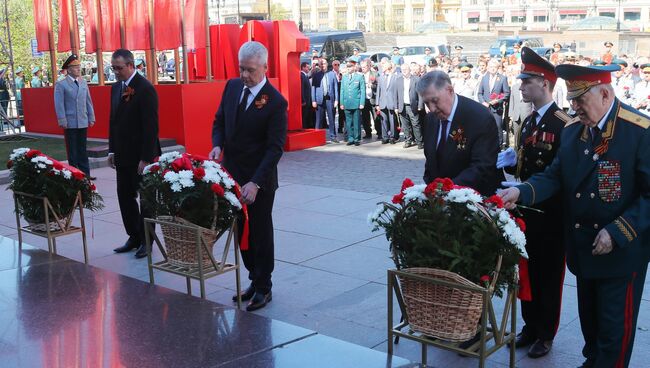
pixel 20 84
pixel 427 55
pixel 36 78
pixel 465 85
pixel 623 86
pixel 396 58
pixel 602 172
pixel 353 100
pixel 539 141
pixel 555 56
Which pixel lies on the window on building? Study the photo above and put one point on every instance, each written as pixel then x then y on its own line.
pixel 496 19
pixel 518 19
pixel 418 17
pixel 341 19
pixel 569 17
pixel 398 20
pixel 379 21
pixel 539 18
pixel 632 16
pixel 607 14
pixel 473 20
pixel 323 15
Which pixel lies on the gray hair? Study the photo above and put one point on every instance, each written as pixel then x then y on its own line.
pixel 253 49
pixel 437 78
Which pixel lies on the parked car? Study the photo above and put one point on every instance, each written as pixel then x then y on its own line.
pixel 334 45
pixel 375 58
pixel 416 53
pixel 535 43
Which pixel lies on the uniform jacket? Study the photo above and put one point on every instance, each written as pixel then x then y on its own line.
pixel 353 91
pixel 253 143
pixel 538 145
pixel 388 95
pixel 500 88
pixel 133 124
pixel 608 191
pixel 470 158
pixel 72 103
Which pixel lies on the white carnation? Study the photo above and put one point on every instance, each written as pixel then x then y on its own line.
pixel 463 195
pixel 66 173
pixel 415 193
pixel 227 182
pixel 169 156
pixel 176 187
pixel 373 216
pixel 171 177
pixel 232 198
pixel 211 176
pixel 18 152
pixel 147 169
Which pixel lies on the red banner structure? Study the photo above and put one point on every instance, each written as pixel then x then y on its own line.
pixel 137 25
pixel 42 22
pixel 167 24
pixel 64 44
pixel 110 24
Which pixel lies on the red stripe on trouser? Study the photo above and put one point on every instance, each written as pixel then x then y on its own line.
pixel 629 316
pixel 559 310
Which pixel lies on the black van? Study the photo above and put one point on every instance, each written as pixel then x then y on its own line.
pixel 334 45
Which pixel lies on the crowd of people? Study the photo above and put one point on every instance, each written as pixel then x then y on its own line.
pixel 390 106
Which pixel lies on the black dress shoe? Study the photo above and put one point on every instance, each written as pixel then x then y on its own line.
pixel 259 301
pixel 540 348
pixel 142 252
pixel 420 146
pixel 392 141
pixel 589 363
pixel 349 143
pixel 246 294
pixel 524 340
pixel 357 143
pixel 384 141
pixel 408 144
pixel 127 247
pixel 92 178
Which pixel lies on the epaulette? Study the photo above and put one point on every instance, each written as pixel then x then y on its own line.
pixel 635 118
pixel 566 118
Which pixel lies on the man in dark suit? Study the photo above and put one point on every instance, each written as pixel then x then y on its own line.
pixel 389 102
pixel 409 113
pixel 539 142
pixel 325 99
pixel 602 172
pixel 132 143
pixel 460 136
pixel 250 128
pixel 493 92
pixel 307 112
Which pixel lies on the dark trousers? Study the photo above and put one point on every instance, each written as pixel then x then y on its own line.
pixel 499 120
pixel 133 214
pixel 259 258
pixel 352 125
pixel 546 272
pixel 326 108
pixel 75 145
pixel 411 125
pixel 368 116
pixel 608 311
pixel 307 116
pixel 387 123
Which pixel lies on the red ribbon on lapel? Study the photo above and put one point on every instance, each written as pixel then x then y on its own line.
pixel 243 243
pixel 525 293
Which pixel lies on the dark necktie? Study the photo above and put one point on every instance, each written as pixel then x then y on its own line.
pixel 595 131
pixel 442 141
pixel 533 118
pixel 76 82
pixel 244 100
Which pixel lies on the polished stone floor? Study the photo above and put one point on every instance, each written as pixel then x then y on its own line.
pixel 330 274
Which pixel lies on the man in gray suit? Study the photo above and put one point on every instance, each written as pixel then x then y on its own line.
pixel 74 113
pixel 493 92
pixel 518 110
pixel 389 102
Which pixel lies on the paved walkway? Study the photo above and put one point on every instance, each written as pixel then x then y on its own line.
pixel 330 273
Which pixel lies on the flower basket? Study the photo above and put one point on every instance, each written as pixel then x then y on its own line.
pixel 191 191
pixel 35 176
pixel 181 242
pixel 451 235
pixel 440 311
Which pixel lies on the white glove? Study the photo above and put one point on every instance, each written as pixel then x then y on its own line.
pixel 508 184
pixel 507 158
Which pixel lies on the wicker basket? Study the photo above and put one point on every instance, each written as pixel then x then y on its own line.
pixel 180 243
pixel 440 311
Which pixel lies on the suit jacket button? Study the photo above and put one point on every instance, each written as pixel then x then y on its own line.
pixel 577 195
pixel 592 195
pixel 577 226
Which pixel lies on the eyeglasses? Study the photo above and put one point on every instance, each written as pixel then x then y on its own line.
pixel 117 67
pixel 336 64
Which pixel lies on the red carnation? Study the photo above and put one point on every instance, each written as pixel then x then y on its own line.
pixel 154 168
pixel 430 189
pixel 496 200
pixel 182 163
pixel 443 183
pixel 57 165
pixel 520 222
pixel 218 190
pixel 407 183
pixel 199 173
pixel 93 187
pixel 10 164
pixel 32 153
pixel 493 96
pixel 485 278
pixel 78 175
pixel 398 198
